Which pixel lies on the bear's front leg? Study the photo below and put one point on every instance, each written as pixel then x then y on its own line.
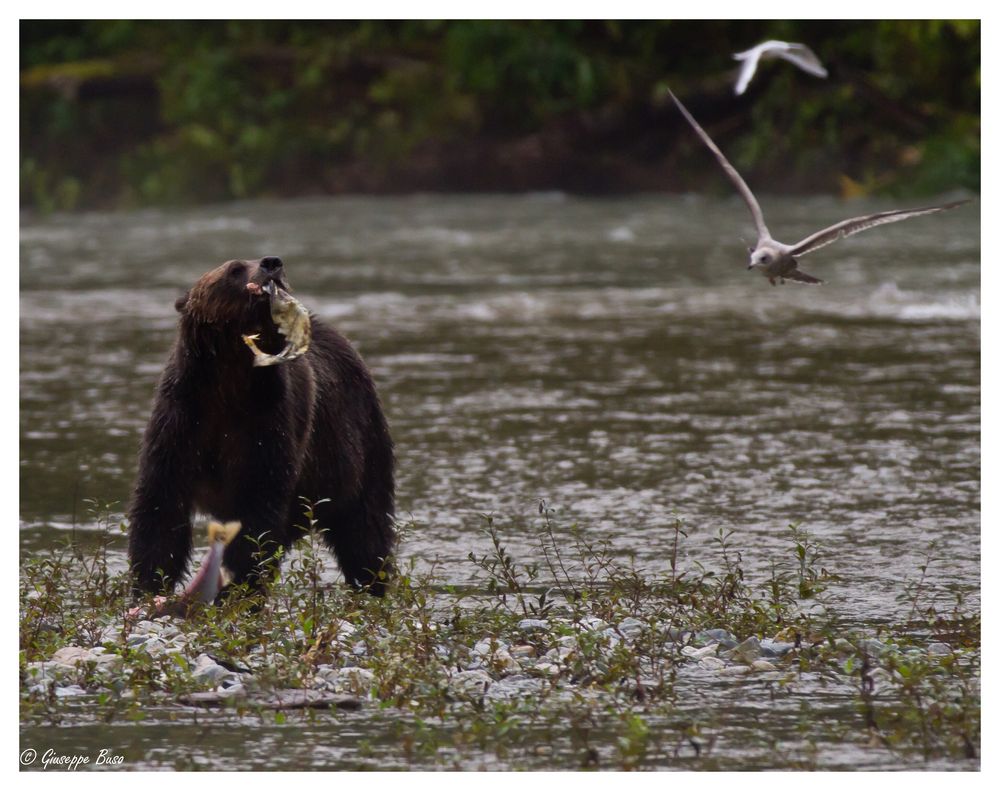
pixel 159 516
pixel 264 489
pixel 253 557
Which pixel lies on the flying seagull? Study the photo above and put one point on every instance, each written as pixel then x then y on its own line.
pixel 776 261
pixel 799 54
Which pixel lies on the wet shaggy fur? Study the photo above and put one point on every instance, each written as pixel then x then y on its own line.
pixel 244 443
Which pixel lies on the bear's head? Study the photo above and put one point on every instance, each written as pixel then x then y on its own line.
pixel 231 296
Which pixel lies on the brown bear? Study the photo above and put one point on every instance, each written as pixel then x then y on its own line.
pixel 247 443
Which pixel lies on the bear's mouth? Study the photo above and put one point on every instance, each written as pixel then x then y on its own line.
pixel 261 297
pixel 268 288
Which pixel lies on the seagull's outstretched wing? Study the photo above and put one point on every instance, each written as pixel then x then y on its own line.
pixel 858 224
pixel 741 185
pixel 750 60
pixel 797 54
pixel 803 57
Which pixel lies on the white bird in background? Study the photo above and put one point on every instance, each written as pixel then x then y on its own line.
pixel 776 261
pixel 799 54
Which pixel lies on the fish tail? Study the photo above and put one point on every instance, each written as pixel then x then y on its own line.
pixel 222 532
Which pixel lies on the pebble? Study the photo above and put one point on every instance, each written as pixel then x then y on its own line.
pixel 353 680
pixel 483 647
pixel 842 646
pixel 593 624
pixel 939 649
pixel 673 633
pixel 71 657
pixel 110 663
pixel 700 653
pixel 735 670
pixel 747 651
pixel 711 663
pixel 631 628
pixel 470 682
pixel 505 662
pixel 880 677
pixel 521 651
pixel 532 625
pixel 443 651
pixel 762 666
pixel 169 631
pixel 40 671
pixel 154 646
pixel 559 653
pixel 516 686
pixel 870 646
pixel 148 627
pixel 344 629
pixel 487 653
pixel 773 648
pixel 110 634
pixel 207 670
pixel 70 691
pixel 720 636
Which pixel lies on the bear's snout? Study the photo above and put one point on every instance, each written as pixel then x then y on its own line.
pixel 268 269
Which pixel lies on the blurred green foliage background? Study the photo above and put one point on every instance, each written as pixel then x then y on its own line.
pixel 126 113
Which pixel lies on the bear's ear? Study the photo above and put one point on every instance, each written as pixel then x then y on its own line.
pixel 181 301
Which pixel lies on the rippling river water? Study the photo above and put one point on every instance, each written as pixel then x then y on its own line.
pixel 612 357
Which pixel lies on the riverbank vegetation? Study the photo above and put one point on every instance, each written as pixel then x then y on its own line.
pixel 131 113
pixel 572 659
